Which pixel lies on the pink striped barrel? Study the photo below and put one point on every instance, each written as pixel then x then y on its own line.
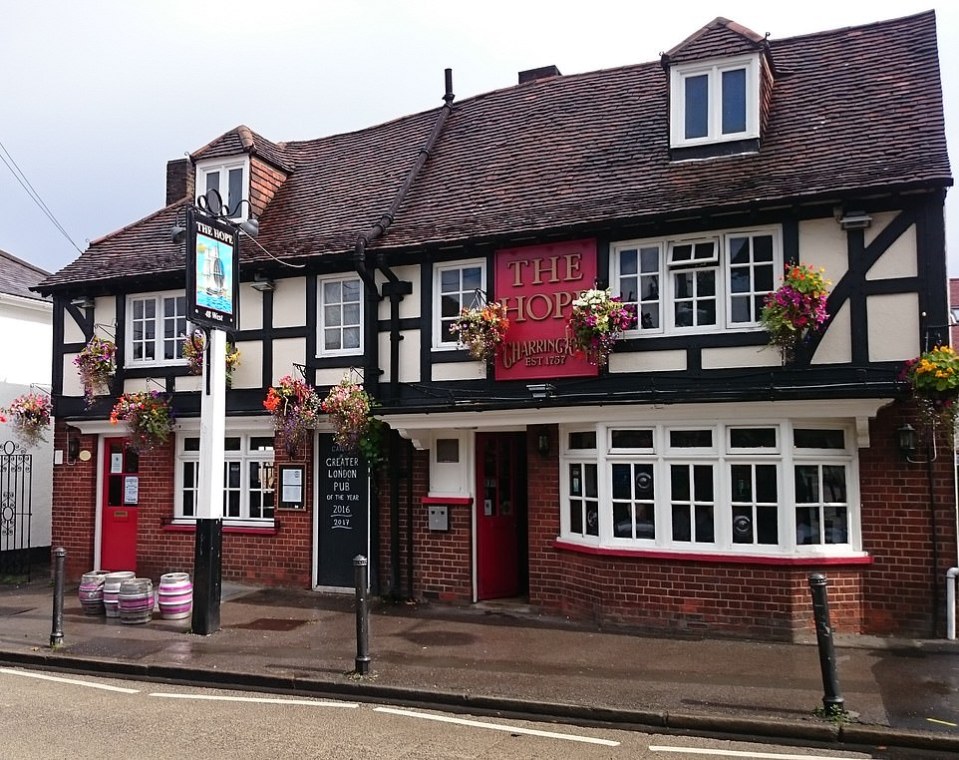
pixel 175 596
pixel 91 592
pixel 111 591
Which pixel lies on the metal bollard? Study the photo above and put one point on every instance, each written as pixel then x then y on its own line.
pixel 56 634
pixel 362 616
pixel 832 700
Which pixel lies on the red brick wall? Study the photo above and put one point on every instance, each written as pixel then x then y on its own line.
pixel 282 559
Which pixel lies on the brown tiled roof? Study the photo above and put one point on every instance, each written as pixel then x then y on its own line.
pixel 855 110
pixel 17 276
pixel 720 38
pixel 244 140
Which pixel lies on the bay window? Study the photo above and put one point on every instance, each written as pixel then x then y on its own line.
pixel 770 489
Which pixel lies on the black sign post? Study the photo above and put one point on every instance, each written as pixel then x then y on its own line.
pixel 343 513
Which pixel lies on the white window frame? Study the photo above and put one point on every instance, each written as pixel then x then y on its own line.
pixel 203 168
pixel 321 325
pixel 158 360
pixel 713 71
pixel 244 456
pixel 468 297
pixel 667 271
pixel 721 456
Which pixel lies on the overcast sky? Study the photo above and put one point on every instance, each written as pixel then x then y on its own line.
pixel 96 96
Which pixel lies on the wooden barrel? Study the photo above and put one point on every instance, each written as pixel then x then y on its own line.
pixel 175 596
pixel 135 601
pixel 111 590
pixel 91 592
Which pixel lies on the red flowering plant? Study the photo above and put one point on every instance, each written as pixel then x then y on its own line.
pixel 354 429
pixel 30 415
pixel 597 321
pixel 482 330
pixel 295 407
pixel 796 309
pixel 96 364
pixel 149 416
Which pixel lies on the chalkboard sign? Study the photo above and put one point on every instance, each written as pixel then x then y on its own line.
pixel 343 513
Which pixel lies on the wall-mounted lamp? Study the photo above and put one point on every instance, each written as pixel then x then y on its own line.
pixel 83 302
pixel 263 283
pixel 73 449
pixel 906 440
pixel 177 233
pixel 542 444
pixel 855 220
pixel 541 390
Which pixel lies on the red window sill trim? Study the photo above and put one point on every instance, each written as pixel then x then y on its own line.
pixel 453 501
pixel 724 559
pixel 244 530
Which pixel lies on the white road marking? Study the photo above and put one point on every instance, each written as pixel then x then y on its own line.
pixel 261 700
pixel 739 753
pixel 42 677
pixel 496 726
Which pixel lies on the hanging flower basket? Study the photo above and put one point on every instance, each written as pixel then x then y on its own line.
pixel 295 407
pixel 97 365
pixel 933 380
pixel 349 408
pixel 30 415
pixel 149 415
pixel 482 330
pixel 194 348
pixel 795 310
pixel 597 321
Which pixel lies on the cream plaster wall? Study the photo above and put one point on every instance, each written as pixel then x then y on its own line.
pixel 409 356
pixel 741 356
pixel 459 371
pixel 648 361
pixel 251 308
pixel 289 303
pixel 286 353
pixel 899 260
pixel 248 374
pixel 893 326
pixel 836 344
pixel 822 244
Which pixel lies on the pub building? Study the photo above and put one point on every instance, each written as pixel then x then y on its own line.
pixel 691 479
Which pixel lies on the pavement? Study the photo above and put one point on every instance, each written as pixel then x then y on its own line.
pixel 503 659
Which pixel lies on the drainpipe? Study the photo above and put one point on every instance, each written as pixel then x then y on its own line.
pixel 951 602
pixel 395 290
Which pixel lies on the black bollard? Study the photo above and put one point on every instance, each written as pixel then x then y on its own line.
pixel 832 700
pixel 362 616
pixel 56 634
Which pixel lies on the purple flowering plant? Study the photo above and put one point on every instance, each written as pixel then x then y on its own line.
pixel 295 406
pixel 96 364
pixel 796 309
pixel 597 321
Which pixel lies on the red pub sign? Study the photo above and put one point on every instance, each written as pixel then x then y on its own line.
pixel 537 284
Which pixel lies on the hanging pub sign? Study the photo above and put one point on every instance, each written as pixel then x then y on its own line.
pixel 212 266
pixel 537 284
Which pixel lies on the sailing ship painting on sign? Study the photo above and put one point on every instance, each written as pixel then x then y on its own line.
pixel 214 261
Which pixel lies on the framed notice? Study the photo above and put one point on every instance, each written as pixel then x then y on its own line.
pixel 290 486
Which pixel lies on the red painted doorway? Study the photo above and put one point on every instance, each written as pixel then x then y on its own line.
pixel 121 497
pixel 501 557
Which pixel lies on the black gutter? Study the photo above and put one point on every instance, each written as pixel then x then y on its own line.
pixel 395 289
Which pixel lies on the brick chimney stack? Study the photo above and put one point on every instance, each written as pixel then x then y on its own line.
pixel 180 180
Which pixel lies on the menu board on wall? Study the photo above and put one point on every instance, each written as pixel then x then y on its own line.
pixel 343 513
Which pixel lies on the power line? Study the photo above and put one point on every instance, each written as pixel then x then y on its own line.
pixel 28 188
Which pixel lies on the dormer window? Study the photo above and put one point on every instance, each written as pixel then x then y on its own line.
pixel 714 102
pixel 230 178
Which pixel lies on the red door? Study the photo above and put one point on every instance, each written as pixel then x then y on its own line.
pixel 121 495
pixel 500 515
